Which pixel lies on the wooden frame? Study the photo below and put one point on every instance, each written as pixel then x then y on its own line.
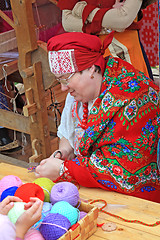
pixel 34 69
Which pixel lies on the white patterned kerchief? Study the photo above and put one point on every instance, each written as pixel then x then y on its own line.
pixel 62 61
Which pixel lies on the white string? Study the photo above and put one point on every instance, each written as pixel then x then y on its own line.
pixel 53 224
pixel 24 143
pixel 5 75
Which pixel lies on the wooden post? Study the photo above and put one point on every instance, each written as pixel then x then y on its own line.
pixel 32 78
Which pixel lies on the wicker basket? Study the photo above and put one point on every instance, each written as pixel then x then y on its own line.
pixel 86 226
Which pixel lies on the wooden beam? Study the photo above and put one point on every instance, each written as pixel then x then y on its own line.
pixel 41 55
pixel 5 36
pixel 7 19
pixel 25 31
pixel 13 161
pixel 10 68
pixel 20 123
pixel 8 45
pixel 14 121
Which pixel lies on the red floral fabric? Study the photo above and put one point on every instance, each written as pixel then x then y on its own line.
pixel 119 147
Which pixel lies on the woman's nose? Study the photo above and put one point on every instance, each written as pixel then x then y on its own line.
pixel 64 87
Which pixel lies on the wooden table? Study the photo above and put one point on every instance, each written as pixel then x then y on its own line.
pixel 125 206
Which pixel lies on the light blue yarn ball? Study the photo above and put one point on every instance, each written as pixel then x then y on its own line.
pixel 45 211
pixel 66 210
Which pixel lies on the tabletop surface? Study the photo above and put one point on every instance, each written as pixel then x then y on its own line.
pixel 127 207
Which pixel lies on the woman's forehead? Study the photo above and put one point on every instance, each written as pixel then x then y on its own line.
pixel 62 75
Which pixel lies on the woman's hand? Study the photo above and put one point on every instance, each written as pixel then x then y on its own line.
pixel 49 168
pixel 7 204
pixel 118 4
pixel 29 217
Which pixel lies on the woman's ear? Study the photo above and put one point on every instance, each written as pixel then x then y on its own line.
pixel 92 70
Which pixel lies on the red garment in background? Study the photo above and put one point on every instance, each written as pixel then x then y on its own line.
pixel 4 26
pixel 149 33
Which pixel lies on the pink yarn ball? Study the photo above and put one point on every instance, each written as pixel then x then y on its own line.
pixel 9 181
pixel 33 234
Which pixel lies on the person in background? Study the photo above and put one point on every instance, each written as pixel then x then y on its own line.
pixel 9 231
pixel 99 17
pixel 110 124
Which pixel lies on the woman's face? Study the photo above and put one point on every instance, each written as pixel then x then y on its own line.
pixel 81 86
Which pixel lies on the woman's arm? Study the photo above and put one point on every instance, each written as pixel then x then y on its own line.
pixel 120 18
pixel 70 22
pixel 117 19
pixel 66 149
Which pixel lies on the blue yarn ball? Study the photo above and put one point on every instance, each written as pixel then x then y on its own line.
pixel 8 192
pixel 45 211
pixel 66 210
pixel 54 226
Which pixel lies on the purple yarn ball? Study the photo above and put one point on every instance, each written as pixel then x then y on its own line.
pixel 64 191
pixel 82 215
pixel 54 226
pixel 8 192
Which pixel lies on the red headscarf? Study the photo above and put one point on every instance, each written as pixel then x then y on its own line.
pixel 75 52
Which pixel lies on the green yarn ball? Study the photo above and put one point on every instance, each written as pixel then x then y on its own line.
pixel 16 211
pixel 46 184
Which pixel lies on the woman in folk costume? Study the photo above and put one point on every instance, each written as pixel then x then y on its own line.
pixel 110 124
pixel 100 16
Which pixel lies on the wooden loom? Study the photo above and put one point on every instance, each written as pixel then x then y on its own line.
pixel 34 68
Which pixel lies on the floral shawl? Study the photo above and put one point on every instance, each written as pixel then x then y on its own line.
pixel 118 151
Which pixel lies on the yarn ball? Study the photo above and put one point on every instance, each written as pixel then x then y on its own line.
pixel 45 210
pixel 82 214
pixel 8 192
pixel 46 184
pixel 16 211
pixel 9 181
pixel 66 210
pixel 33 234
pixel 64 191
pixel 54 226
pixel 28 190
